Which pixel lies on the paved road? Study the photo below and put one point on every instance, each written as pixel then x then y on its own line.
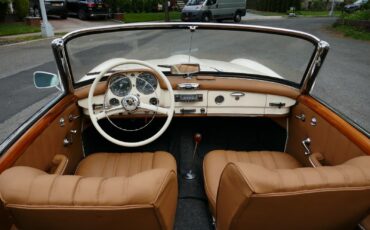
pixel 347 67
pixel 344 80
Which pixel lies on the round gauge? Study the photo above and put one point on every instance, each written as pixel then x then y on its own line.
pixel 146 83
pixel 120 85
pixel 114 102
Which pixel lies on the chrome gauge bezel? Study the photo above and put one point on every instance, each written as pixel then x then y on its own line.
pixel 142 77
pixel 118 77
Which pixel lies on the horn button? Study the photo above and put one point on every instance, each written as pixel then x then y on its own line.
pixel 130 102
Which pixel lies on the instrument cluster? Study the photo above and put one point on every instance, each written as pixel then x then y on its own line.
pixel 122 84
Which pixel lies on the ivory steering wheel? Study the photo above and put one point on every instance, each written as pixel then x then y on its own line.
pixel 137 103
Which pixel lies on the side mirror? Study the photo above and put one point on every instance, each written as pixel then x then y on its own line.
pixel 209 2
pixel 45 80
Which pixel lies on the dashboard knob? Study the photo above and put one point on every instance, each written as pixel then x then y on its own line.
pixel 219 99
pixel 153 101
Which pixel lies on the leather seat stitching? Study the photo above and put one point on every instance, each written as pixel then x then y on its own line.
pixel 362 172
pixel 77 186
pixel 274 160
pixel 115 165
pixel 301 176
pixel 281 181
pixel 263 160
pixel 51 188
pixel 29 191
pixel 341 173
pixel 98 192
pixel 105 165
pixel 129 164
pixel 323 176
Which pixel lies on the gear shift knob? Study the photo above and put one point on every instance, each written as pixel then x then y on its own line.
pixel 197 138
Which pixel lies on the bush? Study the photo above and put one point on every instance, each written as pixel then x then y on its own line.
pixel 358 15
pixel 273 5
pixel 21 8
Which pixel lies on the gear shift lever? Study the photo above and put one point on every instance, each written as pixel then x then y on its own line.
pixel 190 174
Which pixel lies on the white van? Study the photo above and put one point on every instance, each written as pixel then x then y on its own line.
pixel 207 10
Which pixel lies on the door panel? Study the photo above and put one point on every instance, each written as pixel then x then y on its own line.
pixel 334 138
pixel 38 146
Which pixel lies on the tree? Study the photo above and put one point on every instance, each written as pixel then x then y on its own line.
pixel 21 8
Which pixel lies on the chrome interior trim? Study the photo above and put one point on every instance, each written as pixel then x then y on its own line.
pixel 320 54
pixel 309 73
pixel 58 48
pixel 185 25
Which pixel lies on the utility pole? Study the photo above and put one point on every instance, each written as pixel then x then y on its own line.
pixel 332 8
pixel 46 28
pixel 166 13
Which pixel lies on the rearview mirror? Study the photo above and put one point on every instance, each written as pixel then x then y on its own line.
pixel 185 69
pixel 45 80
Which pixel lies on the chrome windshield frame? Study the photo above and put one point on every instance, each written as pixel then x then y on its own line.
pixel 317 58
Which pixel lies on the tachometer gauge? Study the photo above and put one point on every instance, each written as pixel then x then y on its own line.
pixel 120 85
pixel 146 83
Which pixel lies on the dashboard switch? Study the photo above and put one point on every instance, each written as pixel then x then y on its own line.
pixel 219 99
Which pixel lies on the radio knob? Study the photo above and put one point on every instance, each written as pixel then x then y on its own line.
pixel 219 99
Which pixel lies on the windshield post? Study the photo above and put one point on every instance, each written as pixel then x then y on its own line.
pixel 318 60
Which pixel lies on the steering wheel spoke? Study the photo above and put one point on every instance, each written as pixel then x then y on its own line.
pixel 154 108
pixel 109 112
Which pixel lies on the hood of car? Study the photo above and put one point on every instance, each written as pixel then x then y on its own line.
pixel 240 65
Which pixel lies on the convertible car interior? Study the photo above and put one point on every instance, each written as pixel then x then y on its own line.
pixel 178 140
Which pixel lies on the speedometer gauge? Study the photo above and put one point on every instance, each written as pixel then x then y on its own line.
pixel 120 85
pixel 146 83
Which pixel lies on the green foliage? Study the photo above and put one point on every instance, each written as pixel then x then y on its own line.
pixel 273 5
pixel 353 32
pixel 358 15
pixel 3 9
pixel 135 6
pixel 145 17
pixel 21 8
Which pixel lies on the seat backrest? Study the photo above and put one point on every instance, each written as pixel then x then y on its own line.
pixel 38 200
pixel 332 197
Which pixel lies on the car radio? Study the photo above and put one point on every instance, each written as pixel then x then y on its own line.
pixel 188 97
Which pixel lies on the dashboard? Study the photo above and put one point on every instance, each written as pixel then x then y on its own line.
pixel 190 97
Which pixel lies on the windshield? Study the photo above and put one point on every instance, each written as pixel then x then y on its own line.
pixel 218 52
pixel 195 2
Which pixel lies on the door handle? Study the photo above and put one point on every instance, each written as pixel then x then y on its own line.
pixel 306 145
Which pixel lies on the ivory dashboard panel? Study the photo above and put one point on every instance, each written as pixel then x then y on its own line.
pixel 216 103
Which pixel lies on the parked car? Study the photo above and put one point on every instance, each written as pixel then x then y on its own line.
pixel 88 9
pixel 349 8
pixel 207 10
pixel 52 7
pixel 201 121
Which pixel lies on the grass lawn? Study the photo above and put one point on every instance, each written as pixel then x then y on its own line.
pixel 358 15
pixel 305 13
pixel 146 17
pixel 267 13
pixel 324 13
pixel 17 28
pixel 353 32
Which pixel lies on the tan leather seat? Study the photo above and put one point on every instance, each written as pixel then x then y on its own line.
pixel 272 191
pixel 109 191
pixel 215 162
